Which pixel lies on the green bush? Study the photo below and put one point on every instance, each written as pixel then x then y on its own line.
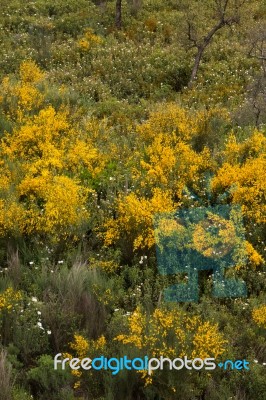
pixel 46 382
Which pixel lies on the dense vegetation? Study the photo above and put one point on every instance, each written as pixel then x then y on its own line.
pixel 107 120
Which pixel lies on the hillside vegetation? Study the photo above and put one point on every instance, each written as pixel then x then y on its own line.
pixel 108 121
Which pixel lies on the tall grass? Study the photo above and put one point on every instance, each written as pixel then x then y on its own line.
pixel 6 380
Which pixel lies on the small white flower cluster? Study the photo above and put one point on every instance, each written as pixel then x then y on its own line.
pixel 142 258
pixel 39 323
pixel 257 362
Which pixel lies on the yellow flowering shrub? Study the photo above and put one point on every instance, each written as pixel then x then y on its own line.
pixel 30 73
pixel 218 244
pixel 28 97
pixel 254 257
pixel 83 348
pixel 165 155
pixel 135 218
pixel 105 265
pixel 136 323
pixel 243 175
pixel 65 205
pixel 12 216
pixel 88 40
pixel 145 377
pixel 208 340
pixel 23 96
pixel 173 333
pixel 36 157
pixel 173 165
pixel 259 316
pixel 41 163
pixel 236 152
pixel 178 122
pixel 170 119
pixel 80 345
pixel 213 237
pixel 9 298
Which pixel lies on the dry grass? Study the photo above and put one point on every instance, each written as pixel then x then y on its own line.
pixel 6 380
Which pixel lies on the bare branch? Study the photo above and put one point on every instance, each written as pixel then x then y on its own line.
pixel 223 20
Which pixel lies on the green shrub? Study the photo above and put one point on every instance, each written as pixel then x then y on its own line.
pixel 46 382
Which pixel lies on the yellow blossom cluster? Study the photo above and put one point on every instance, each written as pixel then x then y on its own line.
pixel 214 237
pixel 80 345
pixel 23 96
pixel 105 297
pixel 242 175
pixel 30 73
pixel 135 217
pixel 40 165
pixel 254 257
pixel 170 119
pixel 9 298
pixel 81 348
pixel 88 40
pixel 214 245
pixel 167 157
pixel 164 163
pixel 173 333
pixel 259 316
pixel 136 323
pixel 105 265
pixel 176 163
pixel 207 340
pixel 145 377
